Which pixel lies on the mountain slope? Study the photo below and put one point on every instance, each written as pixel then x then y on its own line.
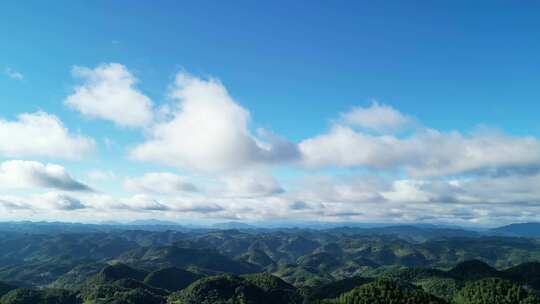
pixel 521 230
pixel 473 270
pixel 384 291
pixel 5 288
pixel 256 289
pixel 494 290
pixel 184 258
pixel 171 279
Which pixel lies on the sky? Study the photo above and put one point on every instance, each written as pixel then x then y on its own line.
pixel 303 111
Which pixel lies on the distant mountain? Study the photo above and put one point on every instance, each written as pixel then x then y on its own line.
pixel 152 222
pixel 184 258
pixel 233 225
pixel 531 230
pixel 51 227
pixel 413 233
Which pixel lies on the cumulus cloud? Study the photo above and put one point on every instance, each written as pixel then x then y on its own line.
pixel 376 117
pixel 108 92
pixel 344 147
pixel 423 154
pixel 160 183
pixel 41 134
pixel 58 201
pixel 208 132
pixel 421 175
pixel 485 152
pixel 28 174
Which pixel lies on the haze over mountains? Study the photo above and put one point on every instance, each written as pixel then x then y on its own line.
pixel 406 230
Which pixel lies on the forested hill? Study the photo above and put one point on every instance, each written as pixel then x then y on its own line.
pixel 337 265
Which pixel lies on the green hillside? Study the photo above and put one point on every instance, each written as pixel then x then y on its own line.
pixel 268 266
pixel 171 279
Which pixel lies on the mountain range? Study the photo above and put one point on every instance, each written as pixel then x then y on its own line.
pixel 81 263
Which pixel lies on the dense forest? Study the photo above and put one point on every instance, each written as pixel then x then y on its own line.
pixel 149 264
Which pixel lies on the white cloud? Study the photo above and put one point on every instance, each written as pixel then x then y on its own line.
pixel 424 153
pixel 517 190
pixel 434 176
pixel 409 191
pixel 11 73
pixel 148 203
pixel 252 183
pixel 377 117
pixel 20 174
pixel 345 198
pixel 486 152
pixel 208 132
pixel 108 92
pixel 326 189
pixel 41 134
pixel 421 153
pixel 160 183
pixel 344 147
pixel 58 201
pixel 143 202
pixel 45 202
pixel 485 200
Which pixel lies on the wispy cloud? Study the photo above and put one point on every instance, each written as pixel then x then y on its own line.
pixel 13 74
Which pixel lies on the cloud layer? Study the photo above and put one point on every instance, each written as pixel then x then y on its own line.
pixel 207 159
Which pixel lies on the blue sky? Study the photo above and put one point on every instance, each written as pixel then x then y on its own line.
pixel 449 66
